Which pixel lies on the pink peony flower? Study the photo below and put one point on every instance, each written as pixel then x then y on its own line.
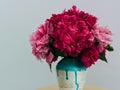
pixel 102 35
pixel 72 31
pixel 90 56
pixel 40 42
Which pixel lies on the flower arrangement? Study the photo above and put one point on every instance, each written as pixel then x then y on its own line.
pixel 72 33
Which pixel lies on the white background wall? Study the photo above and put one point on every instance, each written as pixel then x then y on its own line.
pixel 19 69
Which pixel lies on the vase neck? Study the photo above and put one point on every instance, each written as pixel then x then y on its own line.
pixel 71 63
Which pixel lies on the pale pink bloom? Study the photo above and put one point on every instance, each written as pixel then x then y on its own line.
pixel 102 35
pixel 40 42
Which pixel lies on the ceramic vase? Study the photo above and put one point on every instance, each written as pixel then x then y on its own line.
pixel 71 74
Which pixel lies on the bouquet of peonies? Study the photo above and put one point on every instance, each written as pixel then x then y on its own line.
pixel 72 33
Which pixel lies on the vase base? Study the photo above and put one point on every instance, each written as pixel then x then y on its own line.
pixel 70 89
pixel 71 80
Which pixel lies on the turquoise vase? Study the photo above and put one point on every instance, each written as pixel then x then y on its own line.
pixel 71 73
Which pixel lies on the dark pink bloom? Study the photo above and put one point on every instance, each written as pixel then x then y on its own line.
pixel 90 56
pixel 72 31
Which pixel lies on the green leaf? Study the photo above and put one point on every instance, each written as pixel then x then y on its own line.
pixel 109 48
pixel 51 40
pixel 54 50
pixel 50 65
pixel 57 52
pixel 103 58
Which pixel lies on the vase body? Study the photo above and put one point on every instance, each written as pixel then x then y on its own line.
pixel 71 74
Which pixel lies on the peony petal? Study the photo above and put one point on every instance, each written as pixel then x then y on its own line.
pixel 49 57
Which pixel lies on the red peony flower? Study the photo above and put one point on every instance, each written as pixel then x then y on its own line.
pixel 72 31
pixel 90 56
